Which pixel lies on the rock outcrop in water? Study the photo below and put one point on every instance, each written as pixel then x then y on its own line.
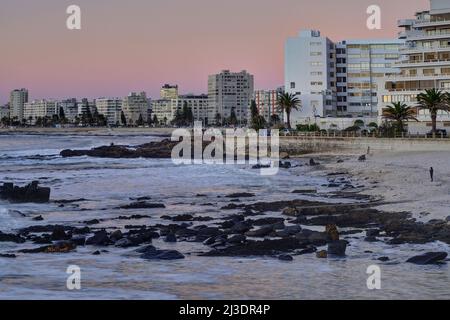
pixel 30 193
pixel 156 150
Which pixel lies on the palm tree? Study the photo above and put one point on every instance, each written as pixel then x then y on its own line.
pixel 433 100
pixel 288 102
pixel 399 112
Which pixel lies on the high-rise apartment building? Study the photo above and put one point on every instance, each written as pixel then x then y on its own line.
pixel 111 108
pixel 135 107
pixel 169 92
pixel 359 66
pixel 70 107
pixel 17 101
pixel 39 109
pixel 166 109
pixel 425 62
pixel 229 92
pixel 337 79
pixel 267 104
pixel 4 111
pixel 86 106
pixel 310 72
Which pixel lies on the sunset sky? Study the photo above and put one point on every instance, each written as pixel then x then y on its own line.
pixel 137 45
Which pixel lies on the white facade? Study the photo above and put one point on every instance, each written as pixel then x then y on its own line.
pixel 425 62
pixel 17 101
pixel 229 91
pixel 135 106
pixel 169 92
pixel 86 106
pixel 39 109
pixel 70 107
pixel 337 80
pixel 166 110
pixel 111 109
pixel 310 72
pixel 359 66
pixel 4 111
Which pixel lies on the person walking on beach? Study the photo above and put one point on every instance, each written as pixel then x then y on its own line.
pixel 432 174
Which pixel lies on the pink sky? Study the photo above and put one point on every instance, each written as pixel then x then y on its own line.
pixel 139 45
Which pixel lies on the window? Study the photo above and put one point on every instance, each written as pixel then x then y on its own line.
pixel 292 85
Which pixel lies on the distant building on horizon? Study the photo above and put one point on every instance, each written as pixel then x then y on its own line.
pixel 229 92
pixel 111 109
pixel 4 111
pixel 70 107
pixel 39 109
pixel 135 107
pixel 267 103
pixel 169 92
pixel 166 110
pixel 17 101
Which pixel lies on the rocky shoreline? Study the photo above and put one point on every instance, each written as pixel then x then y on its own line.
pixel 279 229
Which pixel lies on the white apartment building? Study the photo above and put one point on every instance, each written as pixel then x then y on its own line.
pixel 228 91
pixel 39 109
pixel 111 108
pixel 169 92
pixel 4 111
pixel 337 80
pixel 359 66
pixel 135 106
pixel 86 106
pixel 425 63
pixel 267 103
pixel 17 101
pixel 166 109
pixel 70 107
pixel 310 72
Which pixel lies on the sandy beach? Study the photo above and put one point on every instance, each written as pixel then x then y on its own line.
pixel 402 179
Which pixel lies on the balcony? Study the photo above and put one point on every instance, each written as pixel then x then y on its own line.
pixel 416 63
pixel 431 23
pixel 405 23
pixel 436 76
pixel 411 48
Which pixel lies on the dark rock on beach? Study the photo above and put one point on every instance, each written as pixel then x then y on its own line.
pixel 429 258
pixel 59 247
pixel 5 237
pixel 30 193
pixel 337 248
pixel 259 248
pixel 100 238
pixel 151 253
pixel 143 205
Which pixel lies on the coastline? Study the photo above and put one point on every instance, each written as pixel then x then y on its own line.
pixel 401 179
pixel 101 131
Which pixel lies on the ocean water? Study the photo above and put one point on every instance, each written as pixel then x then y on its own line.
pixel 106 184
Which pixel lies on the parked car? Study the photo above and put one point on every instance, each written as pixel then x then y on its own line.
pixel 440 133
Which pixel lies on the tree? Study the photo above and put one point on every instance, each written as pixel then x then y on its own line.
pixel 274 119
pixel 218 119
pixel 155 120
pixel 359 123
pixel 123 118
pixel 258 122
pixel 433 100
pixel 233 118
pixel 288 102
pixel 140 121
pixel 399 113
pixel 187 115
pixel 62 114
